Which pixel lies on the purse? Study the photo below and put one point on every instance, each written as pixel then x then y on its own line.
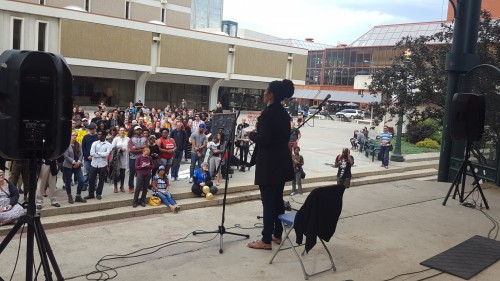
pixel 154 201
pixel 302 174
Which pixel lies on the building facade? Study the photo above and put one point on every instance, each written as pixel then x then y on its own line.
pixel 118 57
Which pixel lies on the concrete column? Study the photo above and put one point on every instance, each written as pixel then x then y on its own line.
pixel 140 86
pixel 214 90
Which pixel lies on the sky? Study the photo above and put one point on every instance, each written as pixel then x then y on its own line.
pixel 328 21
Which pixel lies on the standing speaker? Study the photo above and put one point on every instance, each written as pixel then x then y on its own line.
pixel 35 105
pixel 467 116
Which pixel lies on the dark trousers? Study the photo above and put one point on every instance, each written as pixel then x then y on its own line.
pixel 243 155
pixel 120 178
pixel 142 185
pixel 92 180
pixel 131 166
pixel 272 203
pixel 198 190
pixel 384 153
pixel 176 163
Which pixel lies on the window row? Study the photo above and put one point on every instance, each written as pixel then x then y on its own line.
pixel 17 27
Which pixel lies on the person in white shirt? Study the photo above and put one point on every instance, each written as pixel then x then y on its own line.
pixel 99 151
pixel 196 123
pixel 121 143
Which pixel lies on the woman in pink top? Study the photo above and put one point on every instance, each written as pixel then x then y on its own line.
pixel 143 168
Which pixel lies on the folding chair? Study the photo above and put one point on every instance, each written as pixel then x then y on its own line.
pixel 314 208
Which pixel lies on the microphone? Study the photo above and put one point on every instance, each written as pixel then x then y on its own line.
pixel 323 102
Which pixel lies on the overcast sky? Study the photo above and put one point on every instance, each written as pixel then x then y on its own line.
pixel 329 21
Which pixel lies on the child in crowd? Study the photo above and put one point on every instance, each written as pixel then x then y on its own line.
pixel 298 162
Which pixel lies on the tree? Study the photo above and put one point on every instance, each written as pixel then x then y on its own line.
pixel 418 81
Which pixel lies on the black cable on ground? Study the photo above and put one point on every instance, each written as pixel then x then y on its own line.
pixel 409 273
pixel 18 251
pixel 102 270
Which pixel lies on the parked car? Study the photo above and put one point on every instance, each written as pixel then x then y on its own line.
pixel 313 109
pixel 351 114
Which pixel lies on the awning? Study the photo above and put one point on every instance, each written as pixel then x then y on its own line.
pixel 305 93
pixel 343 96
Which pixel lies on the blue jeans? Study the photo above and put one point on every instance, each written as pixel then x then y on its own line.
pixel 175 170
pixel 86 166
pixel 67 175
pixel 273 205
pixel 166 198
pixel 194 159
pixel 384 153
pixel 131 176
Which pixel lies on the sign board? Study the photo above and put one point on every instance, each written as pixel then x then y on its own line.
pixel 252 117
pixel 361 82
pixel 223 121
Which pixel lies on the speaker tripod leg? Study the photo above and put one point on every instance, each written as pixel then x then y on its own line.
pixel 478 187
pixel 46 252
pixel 12 233
pixel 454 185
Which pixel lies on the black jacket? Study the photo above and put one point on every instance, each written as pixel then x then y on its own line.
pixel 273 158
pixel 319 215
pixel 14 193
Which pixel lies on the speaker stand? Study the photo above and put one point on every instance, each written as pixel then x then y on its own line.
pixel 460 178
pixel 35 230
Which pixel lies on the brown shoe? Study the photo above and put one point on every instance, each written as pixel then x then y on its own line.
pixel 258 244
pixel 116 188
pixel 122 189
pixel 70 199
pixel 276 240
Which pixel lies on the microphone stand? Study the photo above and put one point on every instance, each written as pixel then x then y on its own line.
pixel 312 116
pixel 229 148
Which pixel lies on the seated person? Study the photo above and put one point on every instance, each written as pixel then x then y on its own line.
pixel 10 211
pixel 361 140
pixel 201 178
pixel 161 188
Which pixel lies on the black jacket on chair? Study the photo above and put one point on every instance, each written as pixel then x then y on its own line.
pixel 273 158
pixel 319 215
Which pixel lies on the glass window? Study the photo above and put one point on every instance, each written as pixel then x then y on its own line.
pixel 215 13
pixel 42 36
pixel 17 33
pixel 163 15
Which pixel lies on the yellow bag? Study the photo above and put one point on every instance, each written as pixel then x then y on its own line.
pixel 154 201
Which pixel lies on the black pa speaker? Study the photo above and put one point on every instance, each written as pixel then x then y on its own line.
pixel 467 116
pixel 35 105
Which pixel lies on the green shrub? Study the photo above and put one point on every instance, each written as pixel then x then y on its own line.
pixel 430 143
pixel 416 132
pixel 437 136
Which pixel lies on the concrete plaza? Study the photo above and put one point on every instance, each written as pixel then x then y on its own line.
pixel 385 229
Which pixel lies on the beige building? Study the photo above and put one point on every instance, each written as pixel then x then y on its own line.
pixel 121 51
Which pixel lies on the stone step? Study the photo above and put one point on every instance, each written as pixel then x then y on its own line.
pixel 102 210
pixel 430 178
pixel 411 158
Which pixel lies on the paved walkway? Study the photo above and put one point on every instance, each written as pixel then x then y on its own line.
pixel 385 230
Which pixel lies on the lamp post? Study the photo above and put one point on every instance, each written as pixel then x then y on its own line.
pixel 396 155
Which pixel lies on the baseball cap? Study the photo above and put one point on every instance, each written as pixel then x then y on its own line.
pixel 84 119
pixel 161 168
pixel 137 128
pixel 203 126
pixel 92 126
